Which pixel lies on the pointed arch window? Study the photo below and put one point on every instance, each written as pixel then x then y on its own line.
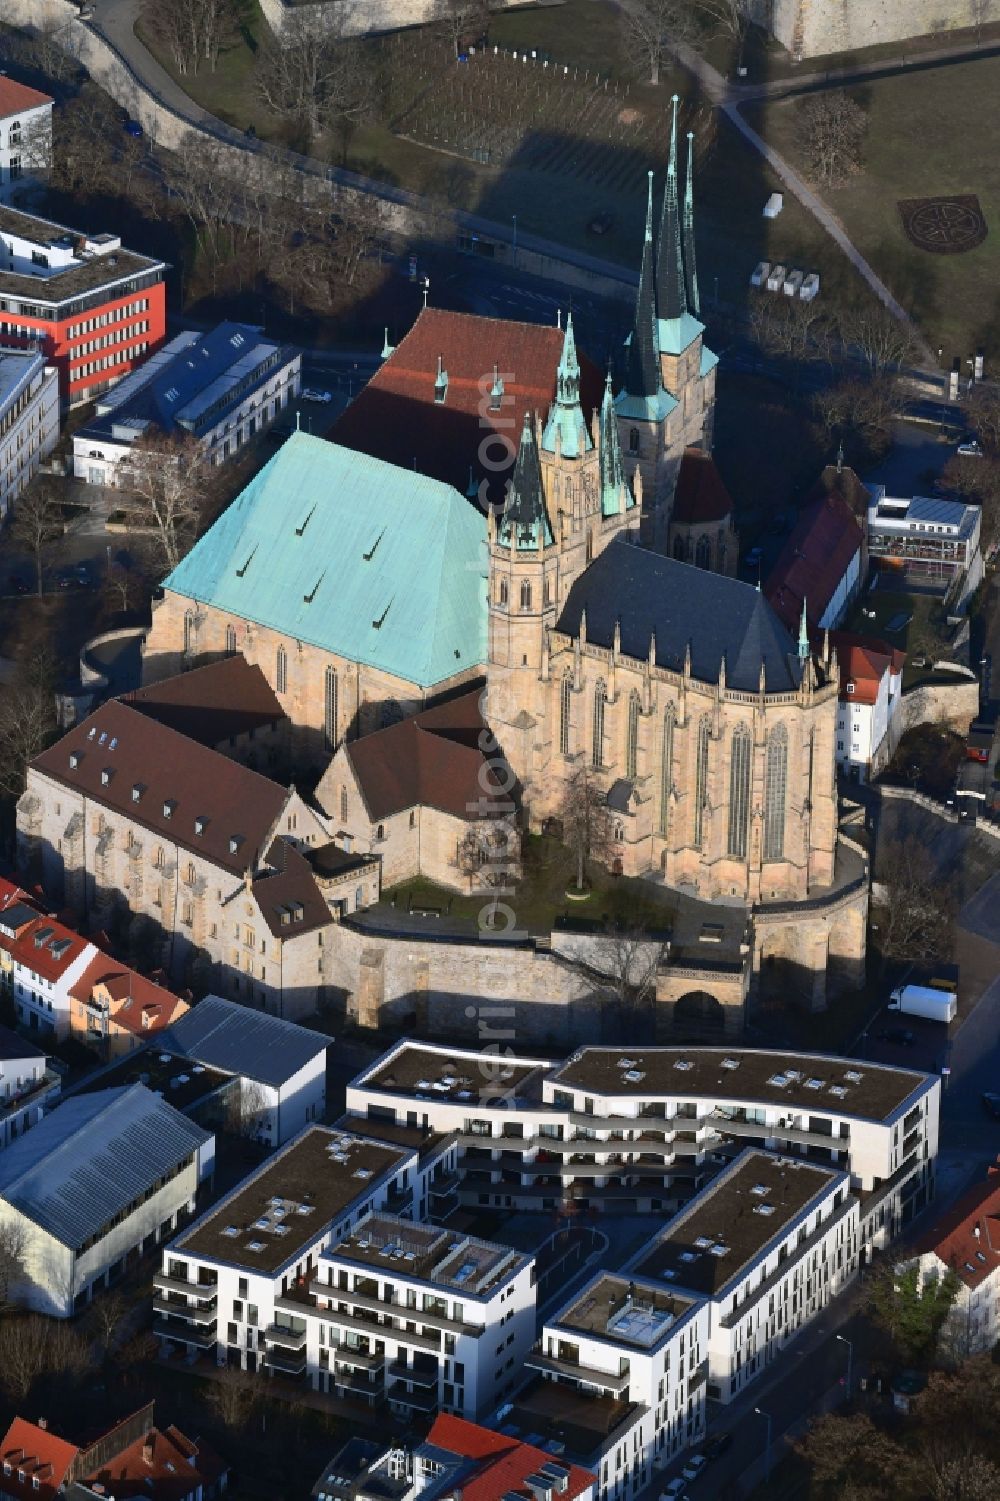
pixel 703 553
pixel 343 804
pixel 188 630
pixel 565 702
pixel 597 749
pixel 739 792
pixel 632 737
pixel 666 768
pixel 679 548
pixel 503 593
pixel 700 782
pixel 775 792
pixel 633 440
pixel 330 696
pixel 230 640
pixel 525 594
pixel 281 671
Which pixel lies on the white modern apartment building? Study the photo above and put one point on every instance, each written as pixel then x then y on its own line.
pixel 642 1130
pixel 29 420
pixel 93 1186
pixel 27 1086
pixel 419 1317
pixel 40 962
pixel 967 1242
pixel 767 1245
pixel 638 1351
pixel 222 1279
pixel 25 137
pixel 222 388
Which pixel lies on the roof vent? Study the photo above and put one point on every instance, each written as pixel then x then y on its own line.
pixel 683 1065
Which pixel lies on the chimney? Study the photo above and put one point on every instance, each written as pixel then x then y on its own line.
pixel 43 1424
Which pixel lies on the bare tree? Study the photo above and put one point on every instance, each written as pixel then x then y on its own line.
pixel 125 588
pixel 651 29
pixel 623 968
pixel 487 854
pixel 977 480
pixel 586 821
pixel 12 1249
pixel 860 412
pixel 106 1316
pixel 465 20
pixel 33 1347
pixel 192 31
pixel 247 1110
pixel 315 76
pixel 883 341
pixel 732 18
pixel 983 411
pixel 38 520
pixel 201 178
pixel 833 128
pixel 234 1396
pixel 919 910
pixel 171 480
pixel 27 721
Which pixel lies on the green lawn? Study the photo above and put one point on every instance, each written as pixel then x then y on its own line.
pixel 931 134
pixel 925 633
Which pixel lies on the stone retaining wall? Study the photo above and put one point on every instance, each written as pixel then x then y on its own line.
pixel 809 28
pixel 953 704
pixel 363 17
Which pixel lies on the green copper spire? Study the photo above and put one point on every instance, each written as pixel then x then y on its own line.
pixel 613 483
pixel 690 263
pixel 671 297
pixel 803 635
pixel 566 414
pixel 525 521
pixel 643 370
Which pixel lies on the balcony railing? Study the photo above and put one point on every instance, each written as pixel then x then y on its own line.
pixel 400 1371
pixel 190 1312
pixel 590 1375
pixel 286 1361
pixel 184 1334
pixel 362 1360
pixel 205 1292
pixel 422 1401
pixel 280 1334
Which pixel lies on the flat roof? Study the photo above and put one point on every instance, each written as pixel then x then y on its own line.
pixel 625 1311
pixel 285 1206
pixel 583 1422
pixel 429 1253
pixel 58 286
pixel 415 1137
pixel 816 1081
pixel 732 1220
pixel 434 1073
pixel 170 1075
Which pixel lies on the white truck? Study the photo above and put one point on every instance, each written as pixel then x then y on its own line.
pixel 925 1001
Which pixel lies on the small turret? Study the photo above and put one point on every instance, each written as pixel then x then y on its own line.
pixel 565 431
pixel 671 293
pixel 690 263
pixel 525 520
pixel 803 636
pixel 615 496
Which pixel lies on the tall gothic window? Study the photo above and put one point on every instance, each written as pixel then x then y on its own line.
pixel 343 804
pixel 679 548
pixel 188 630
pixel 739 791
pixel 633 440
pixel 666 769
pixel 700 782
pixel 775 784
pixel 281 671
pixel 525 595
pixel 632 737
pixel 330 708
pixel 597 751
pixel 503 591
pixel 230 640
pixel 565 702
pixel 703 553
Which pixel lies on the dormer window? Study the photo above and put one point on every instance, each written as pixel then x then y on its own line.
pixel 169 805
pixel 137 790
pixel 440 381
pixel 496 391
pixel 106 775
pixel 74 760
pixel 850 687
pixel 200 825
pixel 235 840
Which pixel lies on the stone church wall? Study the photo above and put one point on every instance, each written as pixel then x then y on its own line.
pixel 809 28
pixel 363 17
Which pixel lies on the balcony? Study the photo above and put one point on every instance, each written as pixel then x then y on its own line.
pixel 581 1374
pixel 285 1362
pixel 420 1401
pixel 361 1360
pixel 365 1328
pixel 203 1291
pixel 393 1310
pixel 183 1334
pixel 280 1334
pixel 190 1312
pixel 400 1371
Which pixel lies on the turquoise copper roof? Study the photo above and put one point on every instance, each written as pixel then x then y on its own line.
pixel 709 359
pixel 673 335
pixel 566 414
pixel 645 408
pixel 373 563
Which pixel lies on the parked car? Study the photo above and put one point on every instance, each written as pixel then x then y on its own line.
pixel 133 128
pixel 674 1489
pixel 970 449
pixel 694 1466
pixel 991 1104
pixel 901 1036
pixel 718 1445
pixel 308 394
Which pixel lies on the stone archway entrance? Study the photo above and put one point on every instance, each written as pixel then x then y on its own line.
pixel 699 1016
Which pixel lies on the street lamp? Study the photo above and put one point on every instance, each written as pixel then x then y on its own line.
pixel 842 1338
pixel 767 1452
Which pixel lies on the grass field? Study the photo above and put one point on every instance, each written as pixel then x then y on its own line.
pixel 931 134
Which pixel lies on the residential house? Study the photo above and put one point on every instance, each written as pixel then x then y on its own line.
pixel 115 1010
pixel 40 962
pixel 281 1067
pixel 29 420
pixel 25 137
pixel 93 1186
pixel 27 1086
pixel 223 388
pixel 487 1465
pixel 93 308
pixel 869 710
pixel 965 1241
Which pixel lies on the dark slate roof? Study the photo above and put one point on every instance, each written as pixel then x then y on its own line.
pixel 720 617
pixel 12 1046
pixel 238 1040
pixel 211 704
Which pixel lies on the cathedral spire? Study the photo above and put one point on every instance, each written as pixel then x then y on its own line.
pixel 690 262
pixel 565 431
pixel 643 375
pixel 671 295
pixel 615 496
pixel 525 521
pixel 803 635
pixel 568 373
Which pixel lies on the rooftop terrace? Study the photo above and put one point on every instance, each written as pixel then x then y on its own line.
pixel 79 262
pixel 628 1312
pixel 477 1078
pixel 429 1253
pixel 583 1423
pixel 840 1086
pixel 728 1224
pixel 287 1204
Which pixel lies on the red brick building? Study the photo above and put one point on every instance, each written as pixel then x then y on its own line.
pixel 93 308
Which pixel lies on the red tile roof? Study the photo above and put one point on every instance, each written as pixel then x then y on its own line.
pixel 431 760
pixel 506 1462
pixel 169 769
pixel 138 1005
pixel 864 661
pixel 163 1466
pixel 813 561
pixel 845 483
pixel 396 418
pixel 967 1239
pixel 41 944
pixel 212 703
pixel 39 1454
pixel 15 97
pixel 700 495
